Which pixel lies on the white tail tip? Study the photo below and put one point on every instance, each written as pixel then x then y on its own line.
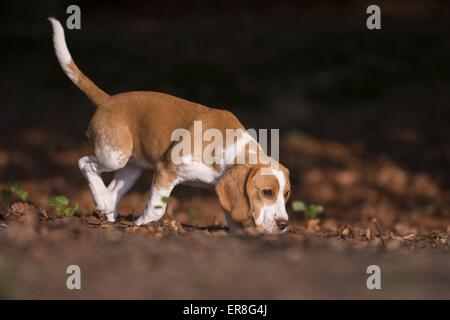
pixel 61 50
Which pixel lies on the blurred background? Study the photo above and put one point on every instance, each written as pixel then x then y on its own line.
pixel 363 115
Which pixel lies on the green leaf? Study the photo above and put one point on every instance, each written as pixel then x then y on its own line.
pixel 59 200
pixel 314 210
pixel 16 188
pixel 298 206
pixel 61 204
pixel 157 207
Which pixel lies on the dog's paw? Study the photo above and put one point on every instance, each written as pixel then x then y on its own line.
pixel 142 220
pixel 111 217
pixel 103 202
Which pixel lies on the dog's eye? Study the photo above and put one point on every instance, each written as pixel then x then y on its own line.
pixel 286 194
pixel 267 192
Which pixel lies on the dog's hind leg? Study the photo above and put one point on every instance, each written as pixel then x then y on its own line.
pixel 123 180
pixel 108 157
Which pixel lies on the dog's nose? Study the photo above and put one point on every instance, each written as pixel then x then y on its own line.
pixel 282 224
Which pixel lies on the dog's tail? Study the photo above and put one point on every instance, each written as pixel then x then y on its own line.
pixel 94 93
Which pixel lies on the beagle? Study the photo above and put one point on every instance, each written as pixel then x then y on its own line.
pixel 133 131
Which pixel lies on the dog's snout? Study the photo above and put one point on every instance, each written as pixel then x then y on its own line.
pixel 282 224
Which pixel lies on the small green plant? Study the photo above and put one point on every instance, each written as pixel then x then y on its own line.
pixel 314 210
pixel 14 189
pixel 298 206
pixel 311 211
pixel 61 204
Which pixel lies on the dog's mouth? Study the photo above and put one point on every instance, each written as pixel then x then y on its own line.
pixel 267 226
pixel 271 227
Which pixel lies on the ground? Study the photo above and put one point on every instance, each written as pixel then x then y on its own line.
pixel 363 121
pixel 190 254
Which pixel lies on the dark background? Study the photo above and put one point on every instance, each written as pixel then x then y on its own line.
pixel 363 115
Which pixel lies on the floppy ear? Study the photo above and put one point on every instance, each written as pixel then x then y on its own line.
pixel 232 193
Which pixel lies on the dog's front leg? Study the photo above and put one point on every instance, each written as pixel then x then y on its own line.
pixel 233 227
pixel 159 196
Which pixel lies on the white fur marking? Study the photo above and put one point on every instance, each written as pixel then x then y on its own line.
pixel 111 158
pixel 102 198
pixel 281 206
pixel 277 210
pixel 235 153
pixel 122 182
pixel 61 50
pixel 92 167
pixel 156 207
pixel 195 170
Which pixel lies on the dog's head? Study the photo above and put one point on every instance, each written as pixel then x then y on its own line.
pixel 256 194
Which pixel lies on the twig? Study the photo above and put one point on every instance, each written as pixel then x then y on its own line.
pixel 380 234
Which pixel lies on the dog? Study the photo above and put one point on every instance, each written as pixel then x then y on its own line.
pixel 132 132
